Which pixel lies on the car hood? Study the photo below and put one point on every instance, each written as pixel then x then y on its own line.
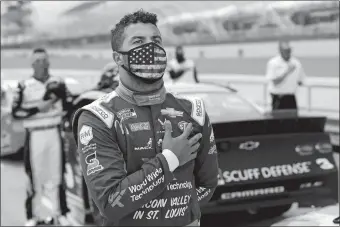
pixel 234 116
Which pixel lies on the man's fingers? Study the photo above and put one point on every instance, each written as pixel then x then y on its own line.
pixel 194 148
pixel 168 129
pixel 195 139
pixel 187 131
pixel 192 156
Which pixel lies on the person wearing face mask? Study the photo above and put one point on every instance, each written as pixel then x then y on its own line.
pixel 284 74
pixel 182 69
pixel 146 154
pixel 39 102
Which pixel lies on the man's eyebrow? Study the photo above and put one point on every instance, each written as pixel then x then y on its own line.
pixel 157 36
pixel 138 37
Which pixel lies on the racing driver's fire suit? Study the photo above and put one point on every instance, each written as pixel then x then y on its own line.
pixel 43 155
pixel 119 138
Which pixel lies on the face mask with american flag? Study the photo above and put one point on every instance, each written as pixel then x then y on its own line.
pixel 147 61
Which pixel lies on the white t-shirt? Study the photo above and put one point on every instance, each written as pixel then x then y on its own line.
pixel 276 66
pixel 188 66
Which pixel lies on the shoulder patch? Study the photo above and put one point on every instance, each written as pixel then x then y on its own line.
pixel 106 116
pixel 198 110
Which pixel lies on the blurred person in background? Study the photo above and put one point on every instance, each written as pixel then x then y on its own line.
pixel 182 69
pixel 284 74
pixel 109 78
pixel 140 146
pixel 40 102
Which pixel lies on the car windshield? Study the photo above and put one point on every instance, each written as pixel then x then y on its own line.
pixel 220 104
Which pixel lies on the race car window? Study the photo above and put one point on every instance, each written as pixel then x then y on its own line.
pixel 222 103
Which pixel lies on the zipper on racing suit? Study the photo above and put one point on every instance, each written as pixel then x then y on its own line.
pixel 154 141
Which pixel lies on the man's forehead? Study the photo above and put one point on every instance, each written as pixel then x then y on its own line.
pixel 40 55
pixel 285 46
pixel 141 30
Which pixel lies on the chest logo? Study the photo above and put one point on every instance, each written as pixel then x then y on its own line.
pixel 125 114
pixel 147 147
pixel 140 126
pixel 171 112
pixel 182 125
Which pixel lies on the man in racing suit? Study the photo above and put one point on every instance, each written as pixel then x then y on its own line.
pixel 39 102
pixel 136 172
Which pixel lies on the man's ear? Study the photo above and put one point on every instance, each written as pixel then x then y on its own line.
pixel 118 58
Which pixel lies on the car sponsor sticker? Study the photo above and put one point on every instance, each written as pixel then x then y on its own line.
pixel 182 125
pixel 147 147
pixel 127 113
pixel 93 164
pixel 140 126
pixel 85 134
pixel 171 112
pixel 252 193
pixel 249 145
pixel 298 168
pixel 304 150
pixel 324 164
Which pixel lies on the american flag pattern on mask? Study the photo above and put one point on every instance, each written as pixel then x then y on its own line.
pixel 148 61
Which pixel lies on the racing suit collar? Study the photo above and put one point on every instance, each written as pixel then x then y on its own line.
pixel 141 98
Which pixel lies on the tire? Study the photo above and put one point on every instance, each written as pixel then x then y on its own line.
pixel 272 212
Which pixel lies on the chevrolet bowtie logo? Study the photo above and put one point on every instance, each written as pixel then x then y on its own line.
pixel 171 112
pixel 249 145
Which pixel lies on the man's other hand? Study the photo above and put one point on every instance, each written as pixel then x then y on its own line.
pixel 185 149
pixel 47 105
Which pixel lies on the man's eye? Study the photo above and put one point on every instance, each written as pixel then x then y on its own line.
pixel 158 41
pixel 137 41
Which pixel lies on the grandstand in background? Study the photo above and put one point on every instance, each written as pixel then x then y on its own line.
pixel 200 22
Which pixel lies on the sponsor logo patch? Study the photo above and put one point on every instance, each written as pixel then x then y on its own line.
pixel 93 164
pixel 213 150
pixel 171 112
pixel 100 111
pixel 199 110
pixel 125 114
pixel 182 125
pixel 114 199
pixel 212 137
pixel 147 147
pixel 106 116
pixel 140 126
pixel 160 142
pixel 92 146
pixel 85 135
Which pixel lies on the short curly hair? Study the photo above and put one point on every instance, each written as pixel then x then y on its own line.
pixel 140 16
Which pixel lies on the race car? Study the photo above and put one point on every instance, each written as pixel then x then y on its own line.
pixel 267 161
pixel 12 132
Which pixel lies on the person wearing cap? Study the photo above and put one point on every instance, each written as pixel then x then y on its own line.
pixel 284 74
